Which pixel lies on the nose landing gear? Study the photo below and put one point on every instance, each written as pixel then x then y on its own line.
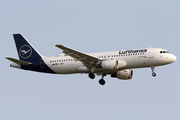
pixel 153 73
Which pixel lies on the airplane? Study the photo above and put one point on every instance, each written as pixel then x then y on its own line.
pixel 117 64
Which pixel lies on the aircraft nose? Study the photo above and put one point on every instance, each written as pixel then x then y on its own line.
pixel 173 58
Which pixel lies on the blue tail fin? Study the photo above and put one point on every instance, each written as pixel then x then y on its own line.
pixel 25 50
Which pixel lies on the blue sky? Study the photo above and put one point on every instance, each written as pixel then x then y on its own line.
pixel 90 26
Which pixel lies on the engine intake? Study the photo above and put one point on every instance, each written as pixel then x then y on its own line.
pixel 123 74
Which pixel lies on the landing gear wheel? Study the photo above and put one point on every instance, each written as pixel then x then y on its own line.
pixel 102 82
pixel 154 74
pixel 91 75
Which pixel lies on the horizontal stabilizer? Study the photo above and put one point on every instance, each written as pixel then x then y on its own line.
pixel 20 62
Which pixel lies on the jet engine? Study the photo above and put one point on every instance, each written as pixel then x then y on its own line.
pixel 123 74
pixel 113 64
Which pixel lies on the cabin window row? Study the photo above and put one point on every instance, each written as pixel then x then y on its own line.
pixel 62 60
pixel 120 55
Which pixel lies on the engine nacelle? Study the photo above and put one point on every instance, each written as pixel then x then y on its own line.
pixel 123 74
pixel 109 64
pixel 113 64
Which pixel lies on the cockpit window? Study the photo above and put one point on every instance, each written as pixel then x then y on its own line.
pixel 164 52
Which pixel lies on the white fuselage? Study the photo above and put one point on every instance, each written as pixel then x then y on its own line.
pixel 137 58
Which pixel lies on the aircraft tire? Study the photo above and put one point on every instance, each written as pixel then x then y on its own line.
pixel 154 74
pixel 91 75
pixel 102 82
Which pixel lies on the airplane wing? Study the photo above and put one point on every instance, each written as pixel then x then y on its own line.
pixel 20 62
pixel 86 59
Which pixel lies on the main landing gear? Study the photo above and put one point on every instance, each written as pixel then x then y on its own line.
pixel 91 75
pixel 101 81
pixel 153 73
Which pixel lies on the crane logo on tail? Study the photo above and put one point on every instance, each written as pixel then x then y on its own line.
pixel 25 51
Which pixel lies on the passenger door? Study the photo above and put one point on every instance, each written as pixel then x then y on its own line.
pixel 150 53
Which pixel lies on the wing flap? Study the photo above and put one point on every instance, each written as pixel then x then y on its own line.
pixel 20 62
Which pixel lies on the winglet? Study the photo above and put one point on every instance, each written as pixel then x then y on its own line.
pixel 53 45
